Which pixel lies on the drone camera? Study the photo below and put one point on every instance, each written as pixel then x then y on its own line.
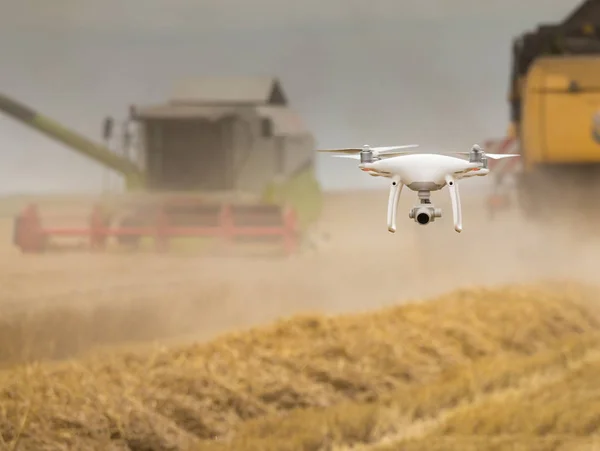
pixel 424 215
pixel 423 218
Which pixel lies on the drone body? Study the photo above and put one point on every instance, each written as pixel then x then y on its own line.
pixel 422 173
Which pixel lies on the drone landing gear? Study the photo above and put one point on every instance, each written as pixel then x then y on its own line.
pixel 455 198
pixel 394 198
pixel 426 212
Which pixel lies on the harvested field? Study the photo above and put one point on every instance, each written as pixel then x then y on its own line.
pixel 413 372
pixel 417 376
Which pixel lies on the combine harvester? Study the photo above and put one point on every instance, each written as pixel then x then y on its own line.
pixel 224 161
pixel 555 121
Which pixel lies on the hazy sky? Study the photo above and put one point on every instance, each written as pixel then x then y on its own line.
pixel 382 72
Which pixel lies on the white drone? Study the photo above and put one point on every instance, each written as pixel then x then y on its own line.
pixel 421 172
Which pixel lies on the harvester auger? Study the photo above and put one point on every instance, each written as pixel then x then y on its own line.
pixel 204 167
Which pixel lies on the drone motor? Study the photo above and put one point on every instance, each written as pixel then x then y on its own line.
pixel 366 156
pixel 477 155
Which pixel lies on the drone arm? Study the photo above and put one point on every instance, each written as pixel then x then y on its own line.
pixel 455 198
pixel 395 190
pixel 480 172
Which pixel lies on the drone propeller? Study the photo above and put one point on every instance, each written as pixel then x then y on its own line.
pixel 353 152
pixel 493 156
pixel 498 156
pixel 346 155
pixel 386 150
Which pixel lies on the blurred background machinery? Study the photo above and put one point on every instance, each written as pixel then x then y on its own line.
pixel 224 158
pixel 554 100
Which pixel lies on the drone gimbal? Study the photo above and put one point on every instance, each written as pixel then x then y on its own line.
pixel 425 212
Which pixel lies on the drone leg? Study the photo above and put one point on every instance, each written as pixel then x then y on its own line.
pixel 395 191
pixel 455 198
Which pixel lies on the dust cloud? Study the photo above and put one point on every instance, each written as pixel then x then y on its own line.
pixel 357 265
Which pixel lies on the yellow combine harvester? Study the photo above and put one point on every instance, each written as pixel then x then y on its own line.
pixel 555 115
pixel 225 158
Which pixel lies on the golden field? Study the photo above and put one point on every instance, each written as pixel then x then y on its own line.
pixel 517 360
pixel 421 340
